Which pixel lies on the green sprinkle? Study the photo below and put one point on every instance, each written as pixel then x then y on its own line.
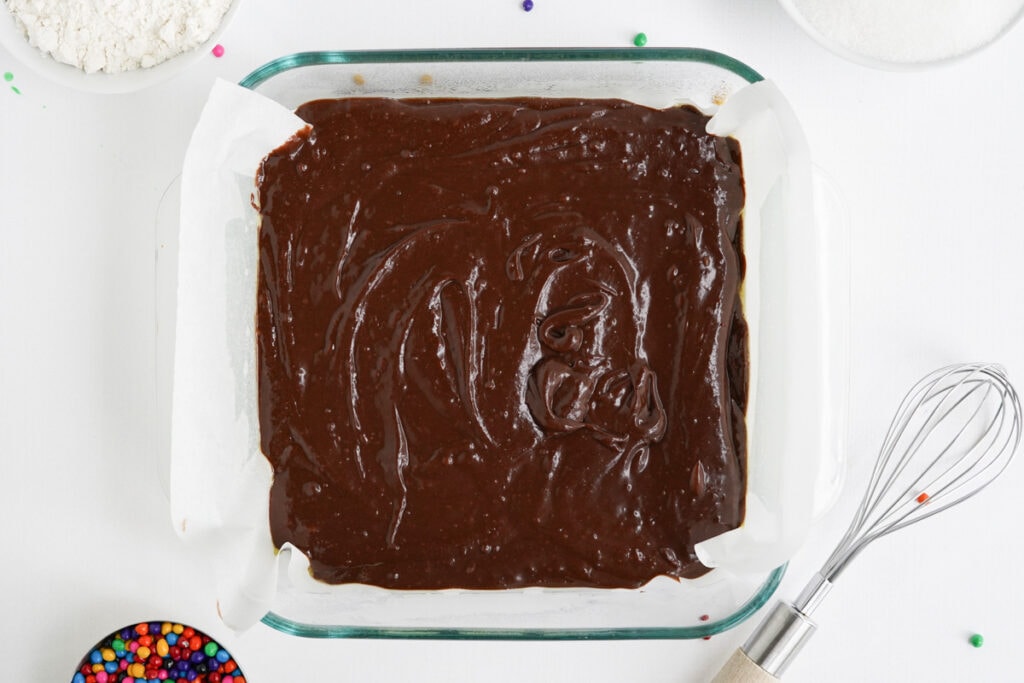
pixel 640 39
pixel 8 76
pixel 977 640
pixel 15 89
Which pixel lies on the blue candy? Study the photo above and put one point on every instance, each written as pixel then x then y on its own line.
pixel 95 657
pixel 110 667
pixel 223 656
pixel 171 638
pixel 79 678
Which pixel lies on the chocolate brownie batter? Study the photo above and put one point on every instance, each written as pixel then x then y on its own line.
pixel 501 342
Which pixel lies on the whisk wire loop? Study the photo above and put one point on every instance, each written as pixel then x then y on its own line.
pixel 954 432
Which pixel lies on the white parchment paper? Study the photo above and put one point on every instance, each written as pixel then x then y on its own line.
pixel 219 477
pixel 220 480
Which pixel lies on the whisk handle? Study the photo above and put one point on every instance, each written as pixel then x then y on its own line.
pixel 770 648
pixel 741 669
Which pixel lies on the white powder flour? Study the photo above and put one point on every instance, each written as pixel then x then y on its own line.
pixel 117 35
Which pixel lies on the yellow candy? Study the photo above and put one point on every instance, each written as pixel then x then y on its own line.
pixel 162 647
pixel 138 670
pixel 143 652
pixel 165 628
pixel 178 628
pixel 108 654
pixel 96 668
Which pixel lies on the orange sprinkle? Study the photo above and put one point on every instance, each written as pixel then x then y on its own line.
pixel 922 498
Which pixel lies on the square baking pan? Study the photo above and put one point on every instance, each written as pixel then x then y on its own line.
pixel 795 402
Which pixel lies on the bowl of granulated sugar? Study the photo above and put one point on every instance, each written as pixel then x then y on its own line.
pixel 905 34
pixel 112 46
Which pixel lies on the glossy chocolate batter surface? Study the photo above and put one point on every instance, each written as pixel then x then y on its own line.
pixel 500 341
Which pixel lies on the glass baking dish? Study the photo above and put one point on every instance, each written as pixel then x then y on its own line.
pixel 794 430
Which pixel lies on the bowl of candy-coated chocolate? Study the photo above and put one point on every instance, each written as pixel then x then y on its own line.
pixel 158 650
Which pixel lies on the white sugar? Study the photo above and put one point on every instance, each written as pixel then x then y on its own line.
pixel 909 31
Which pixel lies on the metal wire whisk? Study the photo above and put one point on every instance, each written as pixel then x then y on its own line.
pixel 953 434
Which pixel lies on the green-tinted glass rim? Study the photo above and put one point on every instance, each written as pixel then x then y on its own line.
pixel 703 630
pixel 667 54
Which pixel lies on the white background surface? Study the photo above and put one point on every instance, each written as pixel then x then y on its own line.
pixel 931 165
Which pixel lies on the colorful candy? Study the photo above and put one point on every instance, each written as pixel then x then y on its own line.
pixel 527 5
pixel 218 50
pixel 158 651
pixel 640 39
pixel 977 640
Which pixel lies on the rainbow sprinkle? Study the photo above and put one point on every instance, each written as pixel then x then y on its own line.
pixel 8 77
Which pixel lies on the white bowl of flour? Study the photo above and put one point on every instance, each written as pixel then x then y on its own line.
pixel 112 46
pixel 905 34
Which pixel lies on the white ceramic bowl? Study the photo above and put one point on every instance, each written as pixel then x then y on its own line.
pixel 14 40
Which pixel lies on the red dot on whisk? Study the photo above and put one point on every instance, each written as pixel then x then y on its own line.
pixel 922 498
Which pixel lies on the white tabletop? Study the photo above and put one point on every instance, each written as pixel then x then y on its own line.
pixel 931 165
